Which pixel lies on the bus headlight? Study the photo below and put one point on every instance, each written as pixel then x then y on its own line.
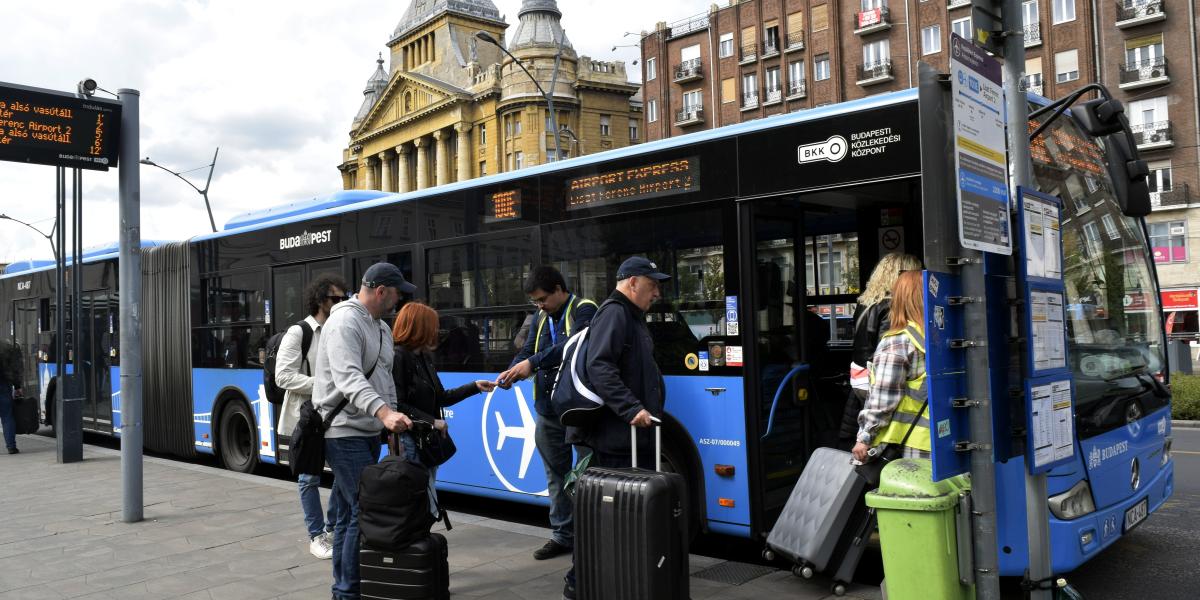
pixel 1074 503
pixel 1166 453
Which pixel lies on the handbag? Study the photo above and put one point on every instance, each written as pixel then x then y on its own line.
pixel 873 469
pixel 434 447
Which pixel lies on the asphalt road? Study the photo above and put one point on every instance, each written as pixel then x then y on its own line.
pixel 1158 560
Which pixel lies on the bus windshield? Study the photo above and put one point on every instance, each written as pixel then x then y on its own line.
pixel 1114 332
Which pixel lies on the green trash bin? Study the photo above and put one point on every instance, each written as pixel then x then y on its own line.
pixel 918 532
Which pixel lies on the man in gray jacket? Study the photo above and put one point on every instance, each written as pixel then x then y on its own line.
pixel 353 381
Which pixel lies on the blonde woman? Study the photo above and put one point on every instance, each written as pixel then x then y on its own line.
pixel 870 320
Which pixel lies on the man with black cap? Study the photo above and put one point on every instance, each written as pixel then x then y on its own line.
pixel 353 381
pixel 622 371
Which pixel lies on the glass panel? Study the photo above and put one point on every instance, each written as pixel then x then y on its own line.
pixel 485 273
pixel 289 297
pixel 235 298
pixel 837 264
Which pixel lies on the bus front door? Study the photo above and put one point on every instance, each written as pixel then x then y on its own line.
pixel 97 338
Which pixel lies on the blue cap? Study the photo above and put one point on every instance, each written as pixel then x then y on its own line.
pixel 387 275
pixel 640 265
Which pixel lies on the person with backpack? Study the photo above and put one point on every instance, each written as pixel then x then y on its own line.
pixel 419 391
pixel 293 374
pixel 622 372
pixel 560 315
pixel 10 387
pixel 870 321
pixel 354 392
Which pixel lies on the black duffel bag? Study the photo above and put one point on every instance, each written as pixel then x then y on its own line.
pixel 306 450
pixel 25 413
pixel 393 502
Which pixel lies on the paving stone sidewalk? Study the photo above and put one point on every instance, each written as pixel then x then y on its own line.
pixel 213 534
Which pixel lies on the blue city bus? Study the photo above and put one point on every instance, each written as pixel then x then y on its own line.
pixel 769 228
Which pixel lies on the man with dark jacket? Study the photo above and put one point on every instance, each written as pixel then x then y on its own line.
pixel 622 371
pixel 561 314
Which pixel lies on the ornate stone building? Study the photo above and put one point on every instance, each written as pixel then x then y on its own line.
pixel 451 106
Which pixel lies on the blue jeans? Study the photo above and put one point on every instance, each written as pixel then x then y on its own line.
pixel 310 502
pixel 6 416
pixel 550 438
pixel 410 454
pixel 348 456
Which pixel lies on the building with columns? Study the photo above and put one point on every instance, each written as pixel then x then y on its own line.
pixel 447 106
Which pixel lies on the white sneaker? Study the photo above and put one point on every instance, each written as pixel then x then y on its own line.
pixel 320 547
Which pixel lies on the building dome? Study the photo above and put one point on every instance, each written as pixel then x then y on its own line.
pixel 375 86
pixel 421 11
pixel 540 26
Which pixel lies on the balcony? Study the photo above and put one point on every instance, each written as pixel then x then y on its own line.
pixel 749 53
pixel 1180 197
pixel 773 96
pixel 691 115
pixel 688 70
pixel 958 3
pixel 872 20
pixel 874 73
pixel 1144 73
pixel 749 100
pixel 1033 35
pixel 1132 13
pixel 1153 136
pixel 797 89
pixel 770 48
pixel 795 41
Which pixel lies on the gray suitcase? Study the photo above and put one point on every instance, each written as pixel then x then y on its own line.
pixel 825 525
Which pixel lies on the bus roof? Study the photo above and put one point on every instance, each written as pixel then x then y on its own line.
pixel 90 255
pixel 341 202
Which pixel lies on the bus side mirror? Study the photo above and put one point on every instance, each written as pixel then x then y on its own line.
pixel 1129 175
pixel 1100 117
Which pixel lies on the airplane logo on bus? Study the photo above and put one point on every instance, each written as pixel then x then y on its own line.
pixel 497 431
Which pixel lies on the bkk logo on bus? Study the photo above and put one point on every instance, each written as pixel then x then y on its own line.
pixel 306 239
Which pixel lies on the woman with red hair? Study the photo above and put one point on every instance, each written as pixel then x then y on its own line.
pixel 419 391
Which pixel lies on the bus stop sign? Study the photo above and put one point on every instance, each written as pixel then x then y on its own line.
pixel 54 128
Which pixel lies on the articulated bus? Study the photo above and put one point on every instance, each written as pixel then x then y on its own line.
pixel 769 229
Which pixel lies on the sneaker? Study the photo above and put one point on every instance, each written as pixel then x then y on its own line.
pixel 568 591
pixel 550 550
pixel 320 547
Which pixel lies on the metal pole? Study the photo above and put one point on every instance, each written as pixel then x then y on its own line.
pixel 1037 515
pixel 60 325
pixel 77 327
pixel 211 167
pixel 550 100
pixel 130 291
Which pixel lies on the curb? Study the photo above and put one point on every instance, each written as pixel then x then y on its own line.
pixel 1187 424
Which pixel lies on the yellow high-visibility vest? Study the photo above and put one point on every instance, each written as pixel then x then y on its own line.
pixel 910 409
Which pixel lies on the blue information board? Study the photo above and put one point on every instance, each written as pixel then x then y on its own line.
pixel 1048 386
pixel 946 374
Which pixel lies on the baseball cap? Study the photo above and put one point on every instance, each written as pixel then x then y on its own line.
pixel 640 265
pixel 387 275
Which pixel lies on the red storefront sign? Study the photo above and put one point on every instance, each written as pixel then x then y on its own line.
pixel 870 17
pixel 1180 299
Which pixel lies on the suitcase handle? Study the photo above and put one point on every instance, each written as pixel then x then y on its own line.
pixel 656 423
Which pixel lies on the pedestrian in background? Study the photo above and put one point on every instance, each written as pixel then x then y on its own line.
pixel 10 382
pixel 353 382
pixel 293 373
pixel 560 314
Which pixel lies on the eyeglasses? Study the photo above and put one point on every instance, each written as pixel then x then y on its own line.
pixel 335 299
pixel 538 302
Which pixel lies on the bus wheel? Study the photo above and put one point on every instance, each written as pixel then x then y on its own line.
pixel 238 439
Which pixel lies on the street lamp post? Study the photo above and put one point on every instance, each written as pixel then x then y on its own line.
pixel 485 36
pixel 203 192
pixel 49 236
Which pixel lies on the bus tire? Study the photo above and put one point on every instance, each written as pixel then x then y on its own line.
pixel 237 437
pixel 679 456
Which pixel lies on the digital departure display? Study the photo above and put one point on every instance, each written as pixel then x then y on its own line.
pixel 503 206
pixel 661 179
pixel 53 128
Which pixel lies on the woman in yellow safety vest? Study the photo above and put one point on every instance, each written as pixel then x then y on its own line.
pixel 896 404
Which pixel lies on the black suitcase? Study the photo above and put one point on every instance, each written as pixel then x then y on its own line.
pixel 419 572
pixel 25 412
pixel 631 533
pixel 825 525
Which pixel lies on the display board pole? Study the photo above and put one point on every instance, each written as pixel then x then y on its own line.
pixel 130 289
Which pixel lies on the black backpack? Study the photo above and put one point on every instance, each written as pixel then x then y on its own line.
pixel 393 501
pixel 274 392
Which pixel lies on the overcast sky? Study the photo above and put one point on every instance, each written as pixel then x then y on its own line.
pixel 274 83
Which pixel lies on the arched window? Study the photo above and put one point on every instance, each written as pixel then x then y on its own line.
pixel 407 102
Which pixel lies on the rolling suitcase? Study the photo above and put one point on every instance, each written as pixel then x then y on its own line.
pixel 25 412
pixel 418 572
pixel 631 532
pixel 825 524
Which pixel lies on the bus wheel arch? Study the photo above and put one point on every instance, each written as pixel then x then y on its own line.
pixel 235 435
pixel 680 455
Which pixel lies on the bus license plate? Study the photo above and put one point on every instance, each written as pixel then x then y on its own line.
pixel 1137 514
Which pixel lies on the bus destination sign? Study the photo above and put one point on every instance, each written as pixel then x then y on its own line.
pixel 503 206
pixel 677 176
pixel 58 129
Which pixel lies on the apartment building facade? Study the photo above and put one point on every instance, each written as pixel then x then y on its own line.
pixel 755 58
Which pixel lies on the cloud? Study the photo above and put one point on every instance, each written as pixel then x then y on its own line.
pixel 273 83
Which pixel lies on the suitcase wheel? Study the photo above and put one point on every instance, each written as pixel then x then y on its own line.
pixel 768 555
pixel 839 589
pixel 805 571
